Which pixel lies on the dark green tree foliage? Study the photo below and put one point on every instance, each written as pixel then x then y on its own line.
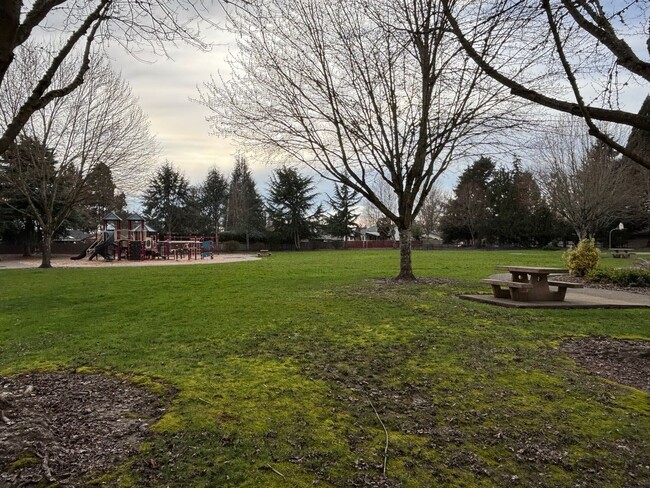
pixel 517 213
pixel 385 228
pixel 466 214
pixel 35 188
pixel 214 200
pixel 192 221
pixel 166 198
pixel 500 206
pixel 245 215
pixel 291 205
pixel 99 197
pixel 342 222
pixel 17 225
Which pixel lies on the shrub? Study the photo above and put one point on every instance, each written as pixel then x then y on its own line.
pixel 631 277
pixel 230 246
pixel 583 258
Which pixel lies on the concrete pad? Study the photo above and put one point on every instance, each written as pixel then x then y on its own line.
pixel 585 298
pixel 575 298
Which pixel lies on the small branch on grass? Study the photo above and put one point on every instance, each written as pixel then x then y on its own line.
pixel 274 470
pixel 205 401
pixel 385 464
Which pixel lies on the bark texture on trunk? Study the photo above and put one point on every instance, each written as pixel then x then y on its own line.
pixel 46 250
pixel 405 265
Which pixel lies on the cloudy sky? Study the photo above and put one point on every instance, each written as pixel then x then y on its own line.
pixel 165 87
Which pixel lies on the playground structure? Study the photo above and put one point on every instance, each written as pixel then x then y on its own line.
pixel 138 242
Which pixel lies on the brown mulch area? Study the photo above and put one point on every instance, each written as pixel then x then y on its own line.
pixel 56 428
pixel 624 361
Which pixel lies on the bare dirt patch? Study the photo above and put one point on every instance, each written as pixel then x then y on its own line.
pixel 625 361
pixel 57 428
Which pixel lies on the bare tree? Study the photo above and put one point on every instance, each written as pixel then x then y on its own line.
pixel 574 56
pixel 78 27
pixel 432 210
pixel 584 182
pixel 62 144
pixel 358 90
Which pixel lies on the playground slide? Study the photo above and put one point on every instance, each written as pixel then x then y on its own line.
pixel 82 254
pixel 102 249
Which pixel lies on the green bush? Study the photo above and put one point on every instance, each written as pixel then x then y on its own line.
pixel 230 246
pixel 632 277
pixel 583 258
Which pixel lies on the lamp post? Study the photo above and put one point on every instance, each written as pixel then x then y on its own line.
pixel 619 227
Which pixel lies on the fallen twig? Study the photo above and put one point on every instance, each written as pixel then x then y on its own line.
pixel 274 470
pixel 386 433
pixel 205 401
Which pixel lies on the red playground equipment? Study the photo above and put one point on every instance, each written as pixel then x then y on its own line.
pixel 138 242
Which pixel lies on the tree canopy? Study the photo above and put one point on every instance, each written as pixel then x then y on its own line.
pixel 291 207
pixel 358 91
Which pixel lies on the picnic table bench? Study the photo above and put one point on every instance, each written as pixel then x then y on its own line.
pixel 530 284
pixel 263 253
pixel 620 252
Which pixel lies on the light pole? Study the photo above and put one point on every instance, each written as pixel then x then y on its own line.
pixel 620 227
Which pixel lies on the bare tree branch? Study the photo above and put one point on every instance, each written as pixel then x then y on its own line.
pixel 500 22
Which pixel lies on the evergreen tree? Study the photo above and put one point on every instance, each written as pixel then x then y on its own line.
pixel 290 205
pixel 166 197
pixel 214 200
pixel 466 214
pixel 245 214
pixel 99 197
pixel 342 222
pixel 35 187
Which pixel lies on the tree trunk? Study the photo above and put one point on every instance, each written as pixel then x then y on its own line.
pixel 46 249
pixel 405 265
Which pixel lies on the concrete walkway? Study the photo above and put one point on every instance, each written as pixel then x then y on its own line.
pixel 575 298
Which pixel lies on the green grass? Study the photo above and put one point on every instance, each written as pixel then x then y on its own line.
pixel 279 363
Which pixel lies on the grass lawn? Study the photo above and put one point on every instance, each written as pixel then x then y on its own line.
pixel 292 361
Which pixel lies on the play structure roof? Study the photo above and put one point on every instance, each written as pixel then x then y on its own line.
pixel 146 227
pixel 135 216
pixel 111 217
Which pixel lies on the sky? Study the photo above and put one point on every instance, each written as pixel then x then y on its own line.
pixel 166 86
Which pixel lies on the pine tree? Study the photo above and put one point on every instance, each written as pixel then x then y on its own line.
pixel 166 196
pixel 214 199
pixel 245 214
pixel 290 204
pixel 343 221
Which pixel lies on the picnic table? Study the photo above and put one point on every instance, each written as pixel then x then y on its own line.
pixel 530 284
pixel 621 252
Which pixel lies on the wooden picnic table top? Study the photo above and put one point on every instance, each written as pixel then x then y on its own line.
pixel 533 269
pixel 621 249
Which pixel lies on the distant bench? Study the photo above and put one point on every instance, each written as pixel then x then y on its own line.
pixel 620 252
pixel 264 253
